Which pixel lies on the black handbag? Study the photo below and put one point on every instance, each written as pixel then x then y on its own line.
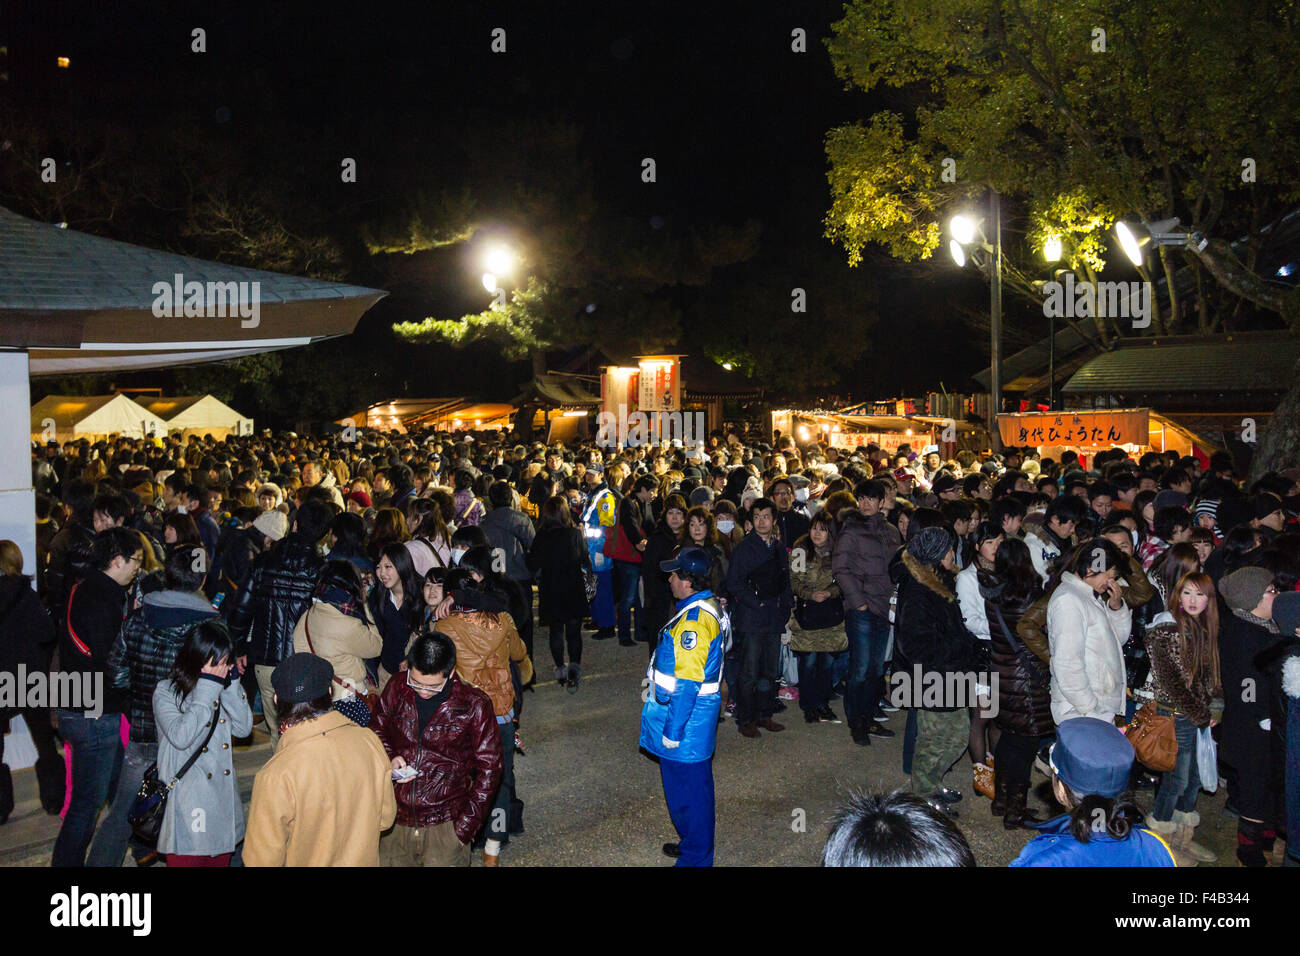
pixel 149 805
pixel 816 615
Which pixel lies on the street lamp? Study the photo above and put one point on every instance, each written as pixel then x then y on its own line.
pixel 1135 237
pixel 964 230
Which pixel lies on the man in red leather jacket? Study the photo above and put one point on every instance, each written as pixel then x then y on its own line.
pixel 433 722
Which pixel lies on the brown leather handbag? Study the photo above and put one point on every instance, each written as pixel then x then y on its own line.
pixel 1153 739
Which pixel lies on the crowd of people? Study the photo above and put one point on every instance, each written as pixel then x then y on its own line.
pixel 374 604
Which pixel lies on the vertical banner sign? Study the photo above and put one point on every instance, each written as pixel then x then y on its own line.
pixel 660 384
pixel 618 391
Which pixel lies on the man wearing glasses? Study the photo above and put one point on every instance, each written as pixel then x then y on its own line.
pixel 441 735
pixel 96 607
pixel 679 722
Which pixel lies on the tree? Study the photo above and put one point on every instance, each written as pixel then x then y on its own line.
pixel 1080 111
pixel 591 277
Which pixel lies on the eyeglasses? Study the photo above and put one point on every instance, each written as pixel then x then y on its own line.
pixel 424 688
pixel 1270 590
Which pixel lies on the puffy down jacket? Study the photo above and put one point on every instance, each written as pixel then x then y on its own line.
pixel 278 593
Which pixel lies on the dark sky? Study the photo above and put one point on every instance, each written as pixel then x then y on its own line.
pixel 734 119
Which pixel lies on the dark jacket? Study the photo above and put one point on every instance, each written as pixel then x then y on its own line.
pixel 395 626
pixel 557 557
pixel 658 598
pixel 791 526
pixel 69 563
pixel 277 594
pixel 1245 745
pixel 96 607
pixel 458 756
pixel 146 648
pixel 864 547
pixel 27 633
pixel 512 531
pixel 234 569
pixel 209 531
pixel 758 585
pixel 1024 682
pixel 930 632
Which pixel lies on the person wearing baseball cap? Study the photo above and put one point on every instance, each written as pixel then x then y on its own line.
pixel 1090 762
pixel 679 721
pixel 326 794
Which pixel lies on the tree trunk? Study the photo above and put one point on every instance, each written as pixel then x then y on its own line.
pixel 1171 326
pixel 1279 442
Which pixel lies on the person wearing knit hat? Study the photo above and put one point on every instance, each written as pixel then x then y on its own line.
pixel 1246 746
pixel 359 501
pixel 1233 513
pixel 1170 499
pixel 1205 513
pixel 273 524
pixel 271 491
pixel 1269 518
pixel 934 650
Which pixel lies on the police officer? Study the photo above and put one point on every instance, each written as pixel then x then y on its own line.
pixel 679 722
pixel 1090 761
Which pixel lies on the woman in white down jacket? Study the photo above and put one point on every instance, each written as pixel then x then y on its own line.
pixel 1087 625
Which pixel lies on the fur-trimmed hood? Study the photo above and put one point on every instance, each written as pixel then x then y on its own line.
pixel 927 576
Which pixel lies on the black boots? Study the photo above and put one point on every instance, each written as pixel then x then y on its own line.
pixel 1017 816
pixel 999 805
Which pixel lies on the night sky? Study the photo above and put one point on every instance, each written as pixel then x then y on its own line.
pixel 733 118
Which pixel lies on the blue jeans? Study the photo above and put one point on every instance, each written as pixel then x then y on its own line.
pixel 1179 787
pixel 602 605
pixel 114 834
pixel 96 764
pixel 868 640
pixel 688 791
pixel 627 576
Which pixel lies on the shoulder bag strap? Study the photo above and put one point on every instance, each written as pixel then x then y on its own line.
pixel 1023 653
pixel 212 727
pixel 80 644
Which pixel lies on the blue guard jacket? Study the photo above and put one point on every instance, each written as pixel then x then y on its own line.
pixel 1056 846
pixel 684 694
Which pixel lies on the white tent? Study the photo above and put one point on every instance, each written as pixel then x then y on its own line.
pixel 67 417
pixel 198 415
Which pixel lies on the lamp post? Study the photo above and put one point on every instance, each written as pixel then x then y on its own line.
pixel 964 231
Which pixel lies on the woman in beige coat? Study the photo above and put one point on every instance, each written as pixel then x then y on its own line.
pixel 337 627
pixel 817 628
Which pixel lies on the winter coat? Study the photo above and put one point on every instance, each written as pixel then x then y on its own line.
pixel 1024 682
pixel 205 815
pixel 815 576
pixel 1170 678
pixel 484 649
pixel 1245 745
pixel 323 797
pixel 69 562
pixel 343 640
pixel 512 532
pixel 758 585
pixel 27 633
pixel 88 630
pixel 469 510
pixel 277 595
pixel 242 549
pixel 397 628
pixel 1045 550
pixel 971 601
pixel 658 601
pixel 1087 648
pixel 791 526
pixel 929 631
pixel 864 547
pixel 557 557
pixel 146 648
pixel 458 756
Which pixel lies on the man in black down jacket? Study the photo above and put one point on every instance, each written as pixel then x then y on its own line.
pixel 758 583
pixel 277 595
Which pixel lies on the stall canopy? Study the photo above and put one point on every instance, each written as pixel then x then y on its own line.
pixel 444 414
pixel 198 415
pixel 68 417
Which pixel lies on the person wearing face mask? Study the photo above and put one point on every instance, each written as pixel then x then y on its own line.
pixel 726 524
pixel 470 536
pixel 1183 646
pixel 1244 737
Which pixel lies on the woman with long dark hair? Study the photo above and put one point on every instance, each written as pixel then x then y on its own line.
pixel 203 687
pixel 180 529
pixel 396 606
pixel 557 559
pixel 390 528
pixel 1024 714
pixel 337 627
pixel 1183 644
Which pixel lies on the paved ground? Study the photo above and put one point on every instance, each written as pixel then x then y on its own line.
pixel 592 799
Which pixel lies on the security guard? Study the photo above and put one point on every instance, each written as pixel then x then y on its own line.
pixel 1092 758
pixel 597 519
pixel 679 722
